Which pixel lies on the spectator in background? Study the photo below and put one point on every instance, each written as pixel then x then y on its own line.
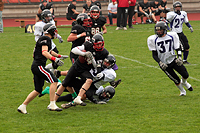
pixel 145 10
pixel 71 12
pixel 112 11
pixel 164 9
pixel 95 2
pixel 87 6
pixel 131 10
pixel 122 9
pixel 1 20
pixel 155 7
pixel 44 5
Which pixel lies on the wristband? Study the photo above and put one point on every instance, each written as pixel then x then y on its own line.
pixel 53 58
pixel 59 56
pixel 78 36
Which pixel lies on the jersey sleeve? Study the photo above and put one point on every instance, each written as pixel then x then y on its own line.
pixel 103 20
pixel 176 40
pixel 170 16
pixel 151 43
pixel 186 17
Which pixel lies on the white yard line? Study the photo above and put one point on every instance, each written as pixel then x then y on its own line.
pixel 146 64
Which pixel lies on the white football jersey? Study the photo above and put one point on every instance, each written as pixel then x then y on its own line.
pixel 39 32
pixel 165 46
pixel 110 76
pixel 176 21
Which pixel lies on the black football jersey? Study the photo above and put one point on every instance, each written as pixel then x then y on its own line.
pixel 69 9
pixel 163 4
pixel 39 59
pixel 98 55
pixel 97 25
pixel 144 6
pixel 78 29
pixel 48 6
pixel 152 4
pixel 87 9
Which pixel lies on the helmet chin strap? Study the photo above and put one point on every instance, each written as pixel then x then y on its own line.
pixel 178 12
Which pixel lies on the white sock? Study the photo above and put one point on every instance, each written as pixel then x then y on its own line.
pixel 180 87
pixel 185 83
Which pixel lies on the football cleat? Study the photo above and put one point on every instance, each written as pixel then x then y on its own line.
pixel 22 109
pixel 68 105
pixel 183 94
pixel 56 109
pixel 115 83
pixel 186 62
pixel 118 28
pixel 190 89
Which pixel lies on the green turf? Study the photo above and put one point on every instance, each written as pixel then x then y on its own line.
pixel 146 100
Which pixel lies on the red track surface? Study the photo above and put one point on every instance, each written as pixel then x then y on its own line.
pixel 12 23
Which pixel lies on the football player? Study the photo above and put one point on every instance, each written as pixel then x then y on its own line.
pixel 46 18
pixel 44 5
pixel 41 53
pixel 94 51
pixel 98 21
pixel 163 46
pixel 107 75
pixel 80 33
pixel 176 19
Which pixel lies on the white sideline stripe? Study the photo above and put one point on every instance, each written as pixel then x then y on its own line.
pixel 147 65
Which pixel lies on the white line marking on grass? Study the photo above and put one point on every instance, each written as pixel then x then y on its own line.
pixel 147 64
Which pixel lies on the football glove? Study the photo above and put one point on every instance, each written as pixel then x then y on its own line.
pixel 89 55
pixel 191 29
pixel 59 62
pixel 146 14
pixel 100 75
pixel 101 33
pixel 179 61
pixel 162 65
pixel 60 40
pixel 63 57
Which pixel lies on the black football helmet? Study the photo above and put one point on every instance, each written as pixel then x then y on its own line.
pixel 177 4
pixel 107 93
pixel 51 29
pixel 46 16
pixel 94 12
pixel 161 26
pixel 84 20
pixel 97 39
pixel 109 61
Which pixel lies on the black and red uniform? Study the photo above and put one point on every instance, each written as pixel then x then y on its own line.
pixel 38 69
pixel 78 29
pixel 81 70
pixel 97 25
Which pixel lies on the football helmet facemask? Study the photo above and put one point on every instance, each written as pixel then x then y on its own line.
pixel 94 12
pixel 46 16
pixel 109 61
pixel 107 93
pixel 98 42
pixel 51 29
pixel 160 28
pixel 177 4
pixel 84 20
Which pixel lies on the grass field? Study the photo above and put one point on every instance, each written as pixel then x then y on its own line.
pixel 146 100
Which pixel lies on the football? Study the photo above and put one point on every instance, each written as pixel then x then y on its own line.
pixel 82 58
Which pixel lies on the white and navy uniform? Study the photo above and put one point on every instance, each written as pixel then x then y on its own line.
pixel 39 32
pixel 165 49
pixel 176 24
pixel 38 66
